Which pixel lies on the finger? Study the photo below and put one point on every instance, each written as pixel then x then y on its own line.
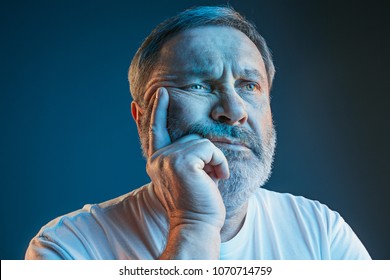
pixel 158 133
pixel 221 171
pixel 188 138
pixel 220 164
pixel 212 157
pixel 191 138
pixel 180 144
pixel 211 173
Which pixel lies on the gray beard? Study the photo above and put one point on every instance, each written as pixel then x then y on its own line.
pixel 247 175
pixel 247 172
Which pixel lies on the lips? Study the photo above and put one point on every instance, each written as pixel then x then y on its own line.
pixel 227 141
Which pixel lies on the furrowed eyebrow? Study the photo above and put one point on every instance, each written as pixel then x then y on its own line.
pixel 252 74
pixel 178 74
pixel 199 71
pixel 202 72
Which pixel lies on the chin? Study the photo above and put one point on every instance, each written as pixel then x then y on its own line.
pixel 247 174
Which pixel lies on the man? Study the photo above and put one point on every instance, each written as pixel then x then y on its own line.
pixel 201 83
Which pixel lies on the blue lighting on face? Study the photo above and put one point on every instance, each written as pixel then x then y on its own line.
pixel 68 138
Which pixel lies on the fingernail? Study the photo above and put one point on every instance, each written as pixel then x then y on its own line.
pixel 160 92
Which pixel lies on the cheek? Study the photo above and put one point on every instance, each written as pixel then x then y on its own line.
pixel 261 120
pixel 188 108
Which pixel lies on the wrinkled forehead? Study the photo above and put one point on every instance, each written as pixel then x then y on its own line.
pixel 204 46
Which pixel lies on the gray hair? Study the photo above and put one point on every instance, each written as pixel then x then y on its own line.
pixel 147 55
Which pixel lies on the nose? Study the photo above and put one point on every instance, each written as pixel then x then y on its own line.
pixel 230 109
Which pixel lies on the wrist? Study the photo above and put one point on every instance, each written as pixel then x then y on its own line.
pixel 193 240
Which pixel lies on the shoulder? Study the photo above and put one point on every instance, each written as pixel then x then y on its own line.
pixel 72 236
pixel 297 204
pixel 90 215
pixel 314 221
pixel 308 213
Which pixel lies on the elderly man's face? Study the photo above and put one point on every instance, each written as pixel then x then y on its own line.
pixel 218 88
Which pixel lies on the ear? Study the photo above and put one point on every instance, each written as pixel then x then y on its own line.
pixel 136 112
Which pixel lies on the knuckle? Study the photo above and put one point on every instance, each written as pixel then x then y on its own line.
pixel 174 161
pixel 206 143
pixel 162 161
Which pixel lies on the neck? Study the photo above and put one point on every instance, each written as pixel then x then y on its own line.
pixel 233 222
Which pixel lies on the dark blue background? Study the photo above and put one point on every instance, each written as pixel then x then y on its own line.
pixel 67 137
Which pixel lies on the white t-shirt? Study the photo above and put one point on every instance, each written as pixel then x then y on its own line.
pixel 134 226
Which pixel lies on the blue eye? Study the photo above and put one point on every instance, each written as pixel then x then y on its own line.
pixel 197 87
pixel 251 87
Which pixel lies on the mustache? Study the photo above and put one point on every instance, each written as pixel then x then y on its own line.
pixel 219 130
